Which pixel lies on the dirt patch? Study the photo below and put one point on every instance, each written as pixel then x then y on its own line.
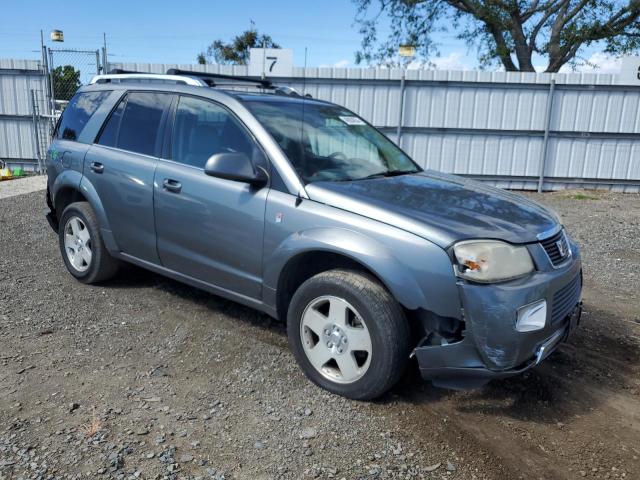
pixel 143 377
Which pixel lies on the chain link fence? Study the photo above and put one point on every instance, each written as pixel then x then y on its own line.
pixel 69 70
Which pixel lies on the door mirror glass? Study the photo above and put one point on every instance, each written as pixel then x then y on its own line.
pixel 235 166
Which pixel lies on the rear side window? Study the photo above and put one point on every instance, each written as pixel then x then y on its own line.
pixel 77 114
pixel 135 124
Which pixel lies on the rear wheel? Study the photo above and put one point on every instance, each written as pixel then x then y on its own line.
pixel 348 334
pixel 81 245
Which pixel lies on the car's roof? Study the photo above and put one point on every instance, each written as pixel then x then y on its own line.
pixel 273 97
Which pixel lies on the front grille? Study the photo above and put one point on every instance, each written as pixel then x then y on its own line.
pixel 557 248
pixel 565 299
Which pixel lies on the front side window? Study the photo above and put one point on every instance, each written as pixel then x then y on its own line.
pixel 77 114
pixel 135 124
pixel 327 142
pixel 202 129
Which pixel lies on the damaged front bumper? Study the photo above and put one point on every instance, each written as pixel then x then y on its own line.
pixel 490 346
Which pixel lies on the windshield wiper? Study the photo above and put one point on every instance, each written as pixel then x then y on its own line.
pixel 388 173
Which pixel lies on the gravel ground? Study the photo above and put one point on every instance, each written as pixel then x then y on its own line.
pixel 19 186
pixel 143 377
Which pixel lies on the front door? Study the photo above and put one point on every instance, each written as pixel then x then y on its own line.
pixel 208 228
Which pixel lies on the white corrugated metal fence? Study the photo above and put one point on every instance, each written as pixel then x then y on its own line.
pixel 488 125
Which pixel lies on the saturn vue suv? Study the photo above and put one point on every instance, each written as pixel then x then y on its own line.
pixel 301 209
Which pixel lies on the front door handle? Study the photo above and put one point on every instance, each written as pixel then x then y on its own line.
pixel 97 167
pixel 172 185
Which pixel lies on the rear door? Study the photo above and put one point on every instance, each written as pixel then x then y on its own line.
pixel 68 146
pixel 121 166
pixel 209 228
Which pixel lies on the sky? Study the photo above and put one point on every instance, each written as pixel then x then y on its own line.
pixel 164 31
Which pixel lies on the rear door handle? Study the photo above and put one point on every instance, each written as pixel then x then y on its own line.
pixel 97 167
pixel 172 185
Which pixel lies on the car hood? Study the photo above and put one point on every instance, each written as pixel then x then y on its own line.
pixel 439 207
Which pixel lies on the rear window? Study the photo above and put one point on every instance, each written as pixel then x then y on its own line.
pixel 78 112
pixel 134 125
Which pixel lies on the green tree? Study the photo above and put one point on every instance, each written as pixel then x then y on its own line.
pixel 236 52
pixel 66 80
pixel 507 32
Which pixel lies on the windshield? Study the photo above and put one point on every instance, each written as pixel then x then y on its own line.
pixel 330 143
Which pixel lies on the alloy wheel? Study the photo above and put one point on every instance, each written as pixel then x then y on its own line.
pixel 77 244
pixel 335 339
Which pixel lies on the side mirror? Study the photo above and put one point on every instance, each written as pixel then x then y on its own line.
pixel 235 166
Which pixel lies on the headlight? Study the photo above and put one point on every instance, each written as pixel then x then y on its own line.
pixel 491 260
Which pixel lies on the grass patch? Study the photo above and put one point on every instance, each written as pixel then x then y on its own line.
pixel 581 196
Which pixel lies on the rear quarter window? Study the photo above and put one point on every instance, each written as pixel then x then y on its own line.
pixel 77 114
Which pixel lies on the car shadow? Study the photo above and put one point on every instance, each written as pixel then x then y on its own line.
pixel 575 379
pixel 132 276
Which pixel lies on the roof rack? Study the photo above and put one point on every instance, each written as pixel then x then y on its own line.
pixel 198 79
pixel 210 78
pixel 128 75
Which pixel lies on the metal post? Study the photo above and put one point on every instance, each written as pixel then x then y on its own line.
pixel 264 59
pixel 42 51
pixel 52 92
pixel 545 141
pixel 36 132
pixel 98 62
pixel 105 62
pixel 401 108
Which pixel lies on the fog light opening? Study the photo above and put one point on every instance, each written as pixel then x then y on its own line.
pixel 532 317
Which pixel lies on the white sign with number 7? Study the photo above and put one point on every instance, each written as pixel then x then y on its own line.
pixel 270 62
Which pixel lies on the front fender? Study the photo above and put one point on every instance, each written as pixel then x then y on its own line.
pixel 370 253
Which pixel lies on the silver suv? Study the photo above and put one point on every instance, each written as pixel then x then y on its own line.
pixel 301 209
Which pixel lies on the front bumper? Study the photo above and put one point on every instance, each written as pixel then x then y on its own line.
pixel 491 347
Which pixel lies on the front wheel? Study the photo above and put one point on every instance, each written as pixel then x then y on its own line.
pixel 348 334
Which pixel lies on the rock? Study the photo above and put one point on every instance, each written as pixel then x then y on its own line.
pixel 451 467
pixel 308 433
pixel 433 467
pixel 168 455
pixel 186 458
pixel 307 412
pixel 116 462
pixel 73 407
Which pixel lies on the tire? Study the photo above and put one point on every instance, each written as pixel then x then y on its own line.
pixel 84 253
pixel 369 309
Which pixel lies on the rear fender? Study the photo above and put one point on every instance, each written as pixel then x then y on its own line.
pixel 88 190
pixel 65 179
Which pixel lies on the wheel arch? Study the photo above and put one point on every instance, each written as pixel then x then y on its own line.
pixel 70 186
pixel 308 253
